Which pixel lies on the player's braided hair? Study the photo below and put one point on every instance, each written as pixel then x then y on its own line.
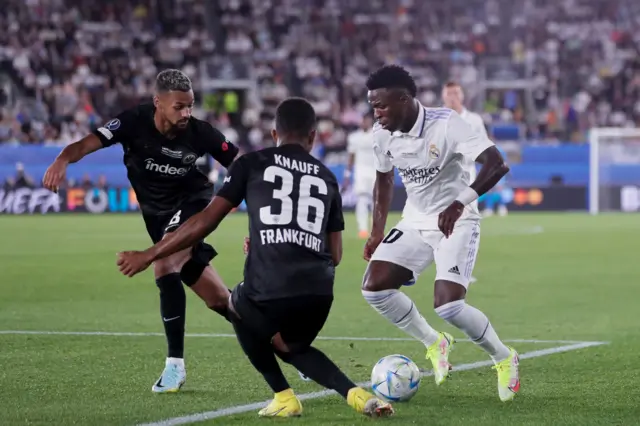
pixel 171 80
pixel 295 116
pixel 392 77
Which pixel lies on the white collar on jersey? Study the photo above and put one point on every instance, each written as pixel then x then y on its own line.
pixel 418 128
pixel 464 112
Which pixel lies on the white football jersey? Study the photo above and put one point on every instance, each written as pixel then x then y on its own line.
pixel 360 144
pixel 435 160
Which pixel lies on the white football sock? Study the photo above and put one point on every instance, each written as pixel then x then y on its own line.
pixel 476 325
pixel 362 213
pixel 396 306
pixel 175 361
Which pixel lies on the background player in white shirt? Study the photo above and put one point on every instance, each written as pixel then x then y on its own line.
pixel 453 97
pixel 430 148
pixel 361 172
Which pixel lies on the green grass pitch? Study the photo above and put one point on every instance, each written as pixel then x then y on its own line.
pixel 542 277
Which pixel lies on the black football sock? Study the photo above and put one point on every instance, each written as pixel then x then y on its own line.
pixel 260 353
pixel 173 308
pixel 319 368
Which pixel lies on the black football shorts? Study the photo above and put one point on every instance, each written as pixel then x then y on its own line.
pixel 159 225
pixel 298 319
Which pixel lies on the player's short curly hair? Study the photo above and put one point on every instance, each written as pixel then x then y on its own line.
pixel 392 77
pixel 171 80
pixel 295 116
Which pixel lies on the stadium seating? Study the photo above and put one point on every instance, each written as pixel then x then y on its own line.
pixel 322 50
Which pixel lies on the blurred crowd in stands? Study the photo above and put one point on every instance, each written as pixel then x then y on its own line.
pixel 68 65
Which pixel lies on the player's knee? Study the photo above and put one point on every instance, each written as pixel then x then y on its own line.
pixel 381 276
pixel 169 283
pixel 219 304
pixel 446 292
pixel 192 271
pixel 279 344
pixel 372 283
pixel 165 267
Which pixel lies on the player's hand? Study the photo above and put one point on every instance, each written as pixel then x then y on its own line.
pixel 55 175
pixel 371 245
pixel 245 246
pixel 132 262
pixel 447 219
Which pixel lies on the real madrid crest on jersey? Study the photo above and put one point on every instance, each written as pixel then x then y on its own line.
pixel 434 152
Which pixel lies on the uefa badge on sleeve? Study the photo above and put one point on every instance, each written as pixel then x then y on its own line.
pixel 113 125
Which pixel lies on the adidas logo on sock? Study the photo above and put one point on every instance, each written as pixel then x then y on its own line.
pixel 454 270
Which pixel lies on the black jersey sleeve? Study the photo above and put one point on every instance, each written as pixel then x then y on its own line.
pixel 234 187
pixel 217 145
pixel 119 129
pixel 336 218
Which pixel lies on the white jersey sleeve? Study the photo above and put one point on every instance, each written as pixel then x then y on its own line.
pixel 464 139
pixel 381 160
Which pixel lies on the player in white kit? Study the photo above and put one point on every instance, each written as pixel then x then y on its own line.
pixel 363 175
pixel 440 222
pixel 453 98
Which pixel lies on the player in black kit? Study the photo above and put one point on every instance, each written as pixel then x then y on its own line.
pixel 161 143
pixel 295 223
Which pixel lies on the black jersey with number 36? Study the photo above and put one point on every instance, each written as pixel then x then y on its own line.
pixel 162 171
pixel 293 202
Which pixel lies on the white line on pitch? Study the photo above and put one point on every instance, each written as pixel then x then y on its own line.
pixel 238 409
pixel 225 335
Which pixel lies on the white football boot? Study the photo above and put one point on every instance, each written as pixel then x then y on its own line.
pixel 172 378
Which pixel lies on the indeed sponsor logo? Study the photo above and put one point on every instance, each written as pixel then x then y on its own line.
pixel 164 169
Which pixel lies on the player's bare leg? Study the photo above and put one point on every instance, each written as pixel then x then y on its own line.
pixel 380 289
pixel 211 289
pixel 450 305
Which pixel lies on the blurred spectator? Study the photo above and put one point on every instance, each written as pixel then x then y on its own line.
pixel 68 65
pixel 21 179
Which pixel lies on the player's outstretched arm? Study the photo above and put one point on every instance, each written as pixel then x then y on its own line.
pixel 382 194
pixel 76 151
pixel 72 153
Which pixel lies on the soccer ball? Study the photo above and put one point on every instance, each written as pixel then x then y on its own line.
pixel 395 378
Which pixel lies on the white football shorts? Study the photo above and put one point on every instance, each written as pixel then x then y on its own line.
pixel 416 250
